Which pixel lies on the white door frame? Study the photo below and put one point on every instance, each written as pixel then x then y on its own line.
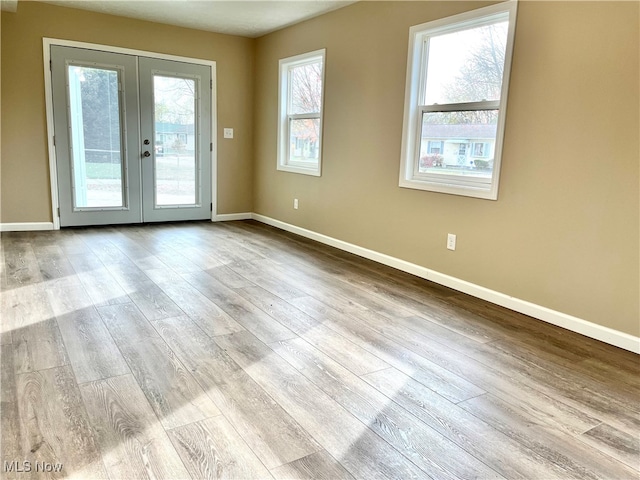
pixel 53 169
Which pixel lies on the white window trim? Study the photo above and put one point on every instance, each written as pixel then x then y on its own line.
pixel 415 83
pixel 310 168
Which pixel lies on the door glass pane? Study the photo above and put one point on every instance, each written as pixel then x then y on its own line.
pixel 458 143
pixel 96 140
pixel 176 169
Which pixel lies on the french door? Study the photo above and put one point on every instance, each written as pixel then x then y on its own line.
pixel 132 137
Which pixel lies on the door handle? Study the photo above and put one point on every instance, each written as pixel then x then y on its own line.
pixel 146 154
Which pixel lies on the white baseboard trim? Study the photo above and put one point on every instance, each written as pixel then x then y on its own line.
pixel 25 226
pixel 228 217
pixel 578 325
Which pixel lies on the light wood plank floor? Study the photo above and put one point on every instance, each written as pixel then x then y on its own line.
pixel 236 350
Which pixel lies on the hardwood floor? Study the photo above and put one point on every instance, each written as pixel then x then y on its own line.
pixel 236 350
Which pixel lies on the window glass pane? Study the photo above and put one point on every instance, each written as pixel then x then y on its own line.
pixel 458 143
pixel 304 140
pixel 466 66
pixel 95 137
pixel 306 88
pixel 174 150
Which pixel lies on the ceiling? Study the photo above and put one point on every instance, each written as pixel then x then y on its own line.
pixel 235 17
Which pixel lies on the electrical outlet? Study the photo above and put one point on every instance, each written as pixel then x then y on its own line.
pixel 295 203
pixel 451 241
pixel 228 133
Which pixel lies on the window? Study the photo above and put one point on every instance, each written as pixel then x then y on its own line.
pixel 300 113
pixel 455 102
pixel 435 147
pixel 480 150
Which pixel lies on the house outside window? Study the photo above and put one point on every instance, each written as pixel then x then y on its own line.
pixel 301 96
pixel 457 85
pixel 175 138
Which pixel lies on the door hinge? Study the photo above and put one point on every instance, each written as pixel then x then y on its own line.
pixel 51 65
pixel 58 212
pixel 211 84
pixel 211 147
pixel 54 140
pixel 211 207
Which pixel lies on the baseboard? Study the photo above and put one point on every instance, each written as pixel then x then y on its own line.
pixel 25 226
pixel 578 325
pixel 228 217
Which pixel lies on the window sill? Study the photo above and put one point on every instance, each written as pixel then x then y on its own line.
pixel 487 192
pixel 313 171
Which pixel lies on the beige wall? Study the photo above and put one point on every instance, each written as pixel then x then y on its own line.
pixel 564 232
pixel 24 166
